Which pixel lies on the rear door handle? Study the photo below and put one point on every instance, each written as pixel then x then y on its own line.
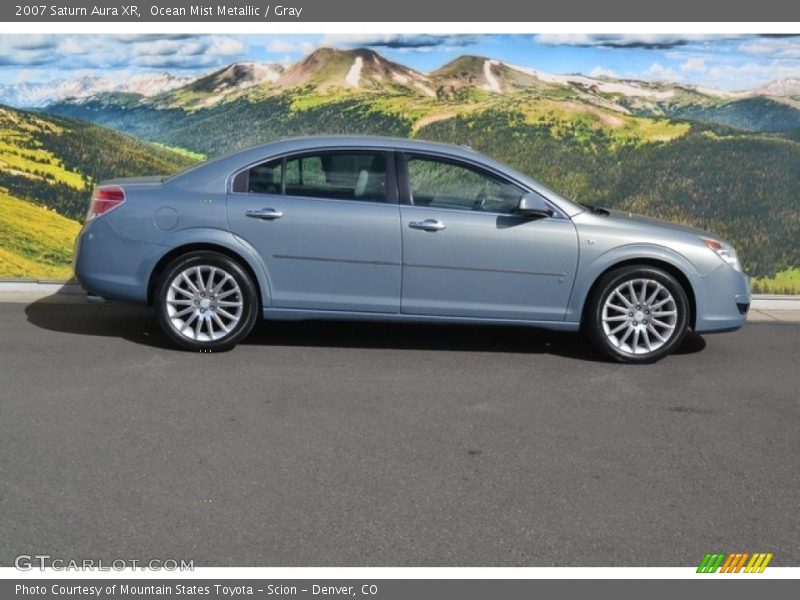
pixel 266 214
pixel 427 225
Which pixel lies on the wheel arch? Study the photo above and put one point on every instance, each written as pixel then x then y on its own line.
pixel 192 246
pixel 680 272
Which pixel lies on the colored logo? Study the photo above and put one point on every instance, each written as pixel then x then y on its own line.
pixel 735 562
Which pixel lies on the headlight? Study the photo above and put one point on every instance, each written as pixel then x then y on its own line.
pixel 724 251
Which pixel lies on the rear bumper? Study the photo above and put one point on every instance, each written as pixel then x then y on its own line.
pixel 109 266
pixel 724 302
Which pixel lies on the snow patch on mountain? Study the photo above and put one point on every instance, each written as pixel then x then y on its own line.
pixel 150 84
pixel 491 81
pixel 721 93
pixel 354 74
pixel 424 89
pixel 266 71
pixel 624 88
pixel 789 86
pixel 627 89
pixel 243 75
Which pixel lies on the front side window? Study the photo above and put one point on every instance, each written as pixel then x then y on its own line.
pixel 337 175
pixel 442 184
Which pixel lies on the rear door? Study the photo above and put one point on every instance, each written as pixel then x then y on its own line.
pixel 467 253
pixel 326 224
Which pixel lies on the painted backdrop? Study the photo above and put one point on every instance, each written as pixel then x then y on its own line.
pixel 703 130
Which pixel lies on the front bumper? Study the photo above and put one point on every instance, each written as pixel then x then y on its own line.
pixel 723 300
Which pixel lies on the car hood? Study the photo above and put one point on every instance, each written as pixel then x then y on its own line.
pixel 628 217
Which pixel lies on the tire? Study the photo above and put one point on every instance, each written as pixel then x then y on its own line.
pixel 637 314
pixel 206 302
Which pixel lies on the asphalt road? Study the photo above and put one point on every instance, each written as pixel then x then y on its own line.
pixel 352 444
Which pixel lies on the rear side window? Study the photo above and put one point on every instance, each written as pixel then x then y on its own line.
pixel 265 178
pixel 336 175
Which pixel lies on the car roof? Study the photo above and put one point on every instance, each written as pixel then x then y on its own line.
pixel 311 142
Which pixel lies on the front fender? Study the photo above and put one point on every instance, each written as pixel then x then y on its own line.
pixel 213 237
pixel 594 266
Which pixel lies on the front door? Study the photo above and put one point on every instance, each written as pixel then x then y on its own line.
pixel 326 225
pixel 467 253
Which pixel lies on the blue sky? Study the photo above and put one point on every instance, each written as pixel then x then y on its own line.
pixel 720 61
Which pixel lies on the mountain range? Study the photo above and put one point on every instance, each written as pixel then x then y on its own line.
pixel 364 70
pixel 39 94
pixel 720 160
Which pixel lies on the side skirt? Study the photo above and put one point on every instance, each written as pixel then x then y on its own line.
pixel 294 314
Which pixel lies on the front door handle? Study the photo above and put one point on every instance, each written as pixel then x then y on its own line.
pixel 427 225
pixel 267 214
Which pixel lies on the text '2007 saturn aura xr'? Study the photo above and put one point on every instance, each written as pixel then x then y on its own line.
pixel 390 229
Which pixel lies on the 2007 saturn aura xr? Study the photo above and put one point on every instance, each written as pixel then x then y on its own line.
pixel 389 229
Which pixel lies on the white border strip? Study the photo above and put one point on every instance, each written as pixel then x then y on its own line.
pixel 408 573
pixel 283 27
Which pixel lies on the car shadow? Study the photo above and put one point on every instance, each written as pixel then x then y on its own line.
pixel 138 325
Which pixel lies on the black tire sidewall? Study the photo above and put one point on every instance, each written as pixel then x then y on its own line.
pixel 594 313
pixel 246 285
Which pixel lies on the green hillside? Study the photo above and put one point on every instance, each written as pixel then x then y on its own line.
pixel 36 242
pixel 48 166
pixel 785 282
pixel 54 161
pixel 748 114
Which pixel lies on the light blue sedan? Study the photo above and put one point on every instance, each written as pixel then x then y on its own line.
pixel 401 230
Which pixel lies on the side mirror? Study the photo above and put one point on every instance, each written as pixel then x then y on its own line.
pixel 533 205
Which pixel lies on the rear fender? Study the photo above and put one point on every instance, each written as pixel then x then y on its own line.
pixel 205 236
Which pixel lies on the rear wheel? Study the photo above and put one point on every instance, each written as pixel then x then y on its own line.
pixel 205 301
pixel 637 314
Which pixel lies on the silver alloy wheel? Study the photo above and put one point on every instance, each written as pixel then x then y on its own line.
pixel 204 303
pixel 639 316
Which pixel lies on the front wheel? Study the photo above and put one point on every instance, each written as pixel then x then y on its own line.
pixel 206 302
pixel 637 314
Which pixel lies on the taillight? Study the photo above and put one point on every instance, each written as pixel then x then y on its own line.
pixel 104 199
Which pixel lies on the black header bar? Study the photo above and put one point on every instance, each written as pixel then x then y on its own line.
pixel 472 11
